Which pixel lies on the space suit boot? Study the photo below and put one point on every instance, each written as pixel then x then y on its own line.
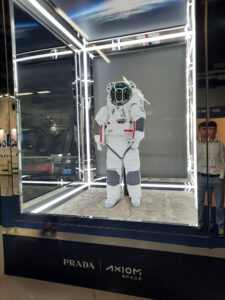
pixel 109 203
pixel 136 202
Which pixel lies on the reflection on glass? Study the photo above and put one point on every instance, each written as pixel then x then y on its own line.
pixel 48 145
pixel 211 116
pixel 210 174
pixel 111 18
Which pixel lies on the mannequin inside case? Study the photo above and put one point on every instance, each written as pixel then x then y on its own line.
pixel 120 126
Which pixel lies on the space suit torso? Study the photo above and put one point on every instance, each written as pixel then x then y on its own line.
pixel 122 120
pixel 119 122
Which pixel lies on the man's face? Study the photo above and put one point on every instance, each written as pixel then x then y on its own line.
pixel 203 132
pixel 212 132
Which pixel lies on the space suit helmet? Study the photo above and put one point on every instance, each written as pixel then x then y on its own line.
pixel 120 93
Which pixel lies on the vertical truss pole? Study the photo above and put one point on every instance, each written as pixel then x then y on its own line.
pixel 191 95
pixel 87 122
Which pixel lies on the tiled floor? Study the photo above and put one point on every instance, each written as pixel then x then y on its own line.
pixel 18 288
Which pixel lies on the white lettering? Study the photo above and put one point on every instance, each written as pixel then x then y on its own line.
pixel 126 272
pixel 78 264
pixel 72 263
pixel 110 268
pixel 117 269
pixel 91 266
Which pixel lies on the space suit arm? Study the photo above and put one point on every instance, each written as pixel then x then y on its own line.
pixel 138 116
pixel 101 120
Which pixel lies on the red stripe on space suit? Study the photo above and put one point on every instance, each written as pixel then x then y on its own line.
pixel 100 132
pixel 132 130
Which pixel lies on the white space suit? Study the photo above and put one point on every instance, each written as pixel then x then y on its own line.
pixel 120 125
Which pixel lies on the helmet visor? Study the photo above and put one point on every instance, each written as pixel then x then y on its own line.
pixel 120 94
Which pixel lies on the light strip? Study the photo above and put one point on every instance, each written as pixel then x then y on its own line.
pixel 44 92
pixel 139 41
pixel 154 185
pixel 175 186
pixel 59 199
pixel 78 113
pixel 43 55
pixel 87 117
pixel 97 179
pixel 40 50
pixel 46 182
pixel 51 182
pixel 55 22
pixel 25 94
pixel 98 183
pixel 194 71
pixel 76 183
pixel 179 28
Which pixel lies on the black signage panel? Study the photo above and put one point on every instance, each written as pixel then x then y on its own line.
pixel 145 273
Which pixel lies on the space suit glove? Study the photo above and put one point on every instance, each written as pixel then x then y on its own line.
pixel 135 144
pixel 98 143
pixel 99 146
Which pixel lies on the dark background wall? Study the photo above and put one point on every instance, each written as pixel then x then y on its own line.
pixel 160 74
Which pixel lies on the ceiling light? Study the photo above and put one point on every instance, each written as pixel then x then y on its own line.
pixel 43 92
pixel 24 94
pixel 43 55
pixel 139 41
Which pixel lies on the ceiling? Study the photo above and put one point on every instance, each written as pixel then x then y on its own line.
pixel 101 19
pixel 109 18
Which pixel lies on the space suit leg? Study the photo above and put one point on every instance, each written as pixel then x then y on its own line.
pixel 114 170
pixel 133 177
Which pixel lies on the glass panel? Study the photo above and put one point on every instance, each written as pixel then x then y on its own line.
pixel 211 120
pixel 59 98
pixel 216 128
pixel 28 32
pixel 49 150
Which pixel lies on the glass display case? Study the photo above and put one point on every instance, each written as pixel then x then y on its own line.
pixel 105 85
pixel 61 88
pixel 61 84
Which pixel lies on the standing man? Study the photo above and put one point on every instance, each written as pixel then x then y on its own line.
pixel 213 168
